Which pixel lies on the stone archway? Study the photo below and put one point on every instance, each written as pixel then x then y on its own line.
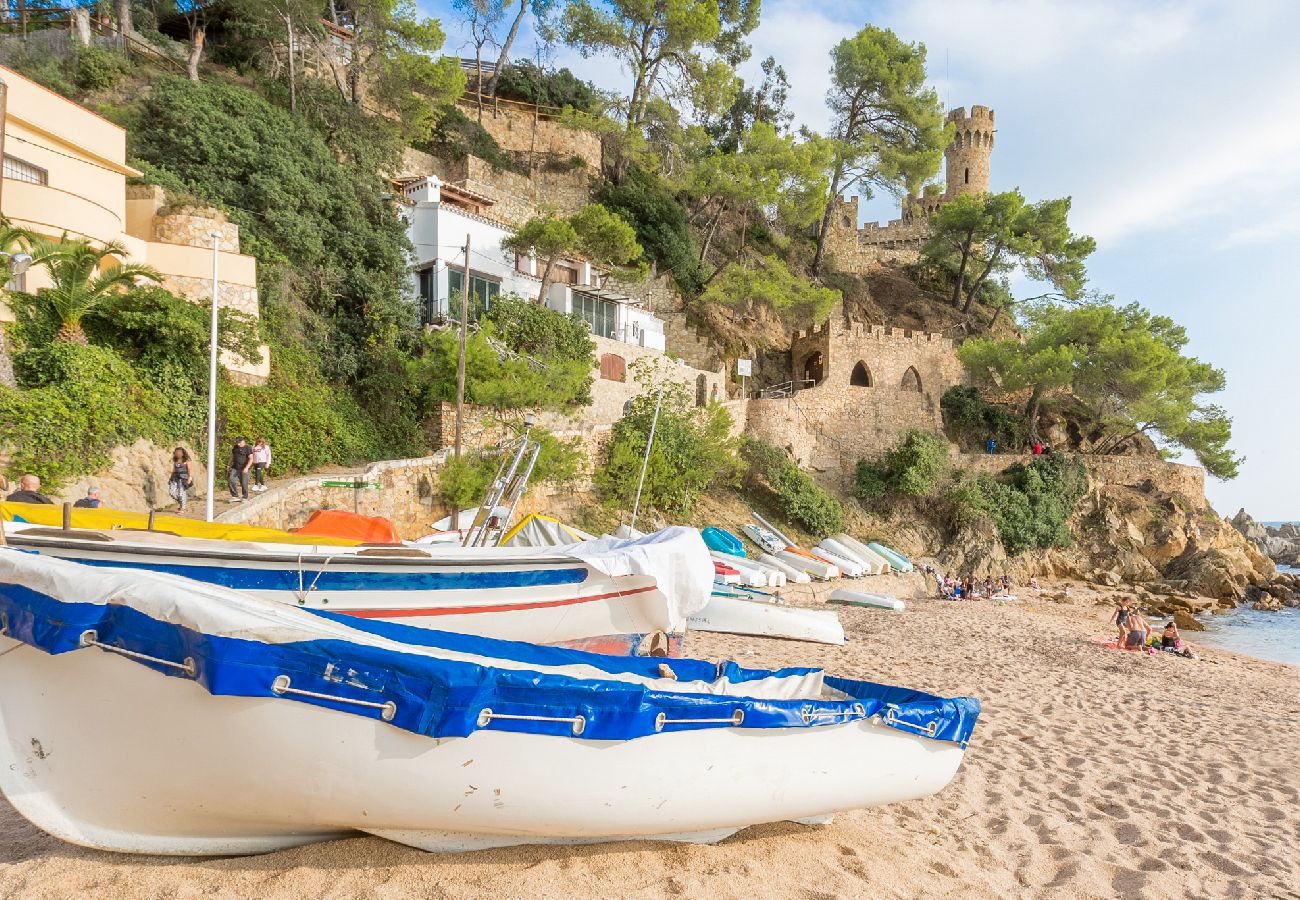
pixel 911 380
pixel 861 376
pixel 813 369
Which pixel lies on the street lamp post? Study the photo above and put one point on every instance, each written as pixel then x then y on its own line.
pixel 212 375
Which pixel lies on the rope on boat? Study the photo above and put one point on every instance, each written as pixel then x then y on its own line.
pixel 90 638
pixel 735 718
pixel 892 719
pixel 4 623
pixel 304 591
pixel 281 685
pixel 808 714
pixel 579 723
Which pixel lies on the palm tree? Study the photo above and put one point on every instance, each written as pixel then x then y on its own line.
pixel 82 281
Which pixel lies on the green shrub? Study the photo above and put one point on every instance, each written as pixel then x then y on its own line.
pixel 914 467
pixel 967 504
pixel 970 420
pixel 457 135
pixel 692 451
pixel 1032 504
pixel 799 497
pixel 660 222
pixel 77 403
pixel 540 332
pixel 530 83
pixel 463 481
pixel 307 421
pixel 41 67
pixel 97 69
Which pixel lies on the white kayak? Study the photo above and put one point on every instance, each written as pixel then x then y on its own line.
pixel 873 564
pixel 865 598
pixel 146 713
pixel 730 615
pixel 793 575
pixel 864 552
pixel 817 568
pixel 776 577
pixel 848 567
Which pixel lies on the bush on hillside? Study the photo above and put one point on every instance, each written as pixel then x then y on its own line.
pixel 463 481
pixel 660 222
pixel 693 450
pixel 530 83
pixel 75 404
pixel 1032 504
pixel 798 496
pixel 458 135
pixel 97 69
pixel 913 467
pixel 970 420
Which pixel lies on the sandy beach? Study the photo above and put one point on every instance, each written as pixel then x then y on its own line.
pixel 1092 773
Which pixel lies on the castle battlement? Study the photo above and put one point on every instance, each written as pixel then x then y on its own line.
pixel 982 113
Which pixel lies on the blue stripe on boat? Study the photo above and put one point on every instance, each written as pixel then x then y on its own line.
pixel 326 580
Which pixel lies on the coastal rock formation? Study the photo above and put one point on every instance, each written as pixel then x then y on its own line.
pixel 1279 543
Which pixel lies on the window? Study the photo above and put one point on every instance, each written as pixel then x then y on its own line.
pixel 482 291
pixel 861 376
pixel 20 170
pixel 968 176
pixel 613 367
pixel 601 315
pixel 911 380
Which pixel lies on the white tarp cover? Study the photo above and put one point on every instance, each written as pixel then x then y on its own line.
pixel 675 557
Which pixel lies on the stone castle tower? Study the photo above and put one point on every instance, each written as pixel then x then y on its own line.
pixel 966 160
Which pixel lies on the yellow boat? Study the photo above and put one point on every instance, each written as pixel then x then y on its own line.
pixel 105 519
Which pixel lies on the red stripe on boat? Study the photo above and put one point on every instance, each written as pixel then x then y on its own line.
pixel 502 607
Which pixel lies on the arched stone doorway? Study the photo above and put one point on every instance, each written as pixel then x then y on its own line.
pixel 813 369
pixel 911 380
pixel 861 376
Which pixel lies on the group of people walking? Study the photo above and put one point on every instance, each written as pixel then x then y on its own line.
pixel 245 461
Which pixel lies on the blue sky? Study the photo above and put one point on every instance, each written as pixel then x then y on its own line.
pixel 1175 126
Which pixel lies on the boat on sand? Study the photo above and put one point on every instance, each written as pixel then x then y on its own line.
pixel 146 713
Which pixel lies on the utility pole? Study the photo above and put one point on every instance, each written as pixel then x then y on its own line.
pixel 460 358
pixel 212 377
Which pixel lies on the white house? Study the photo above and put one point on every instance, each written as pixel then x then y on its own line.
pixel 442 216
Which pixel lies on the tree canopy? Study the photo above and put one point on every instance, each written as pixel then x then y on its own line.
pixel 593 233
pixel 978 237
pixel 1125 367
pixel 887 125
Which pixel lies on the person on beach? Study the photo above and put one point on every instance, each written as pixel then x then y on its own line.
pixel 1170 639
pixel 241 460
pixel 182 477
pixel 29 491
pixel 261 462
pixel 968 588
pixel 1138 632
pixel 91 500
pixel 1120 621
pixel 1038 448
pixel 1033 583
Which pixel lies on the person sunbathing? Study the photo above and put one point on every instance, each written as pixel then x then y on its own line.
pixel 1170 640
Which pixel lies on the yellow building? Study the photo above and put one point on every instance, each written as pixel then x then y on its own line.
pixel 65 172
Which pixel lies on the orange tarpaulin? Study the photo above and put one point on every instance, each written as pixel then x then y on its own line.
pixel 336 523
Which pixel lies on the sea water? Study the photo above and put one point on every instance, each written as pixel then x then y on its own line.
pixel 1265 635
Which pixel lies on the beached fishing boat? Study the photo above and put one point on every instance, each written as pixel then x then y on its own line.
pixel 146 713
pixel 608 596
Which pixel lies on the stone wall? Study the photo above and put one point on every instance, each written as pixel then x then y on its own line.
pixel 518 128
pixel 518 196
pixel 1172 478
pixel 192 227
pixel 136 477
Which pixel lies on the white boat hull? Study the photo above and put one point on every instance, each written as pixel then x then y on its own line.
pixel 737 616
pixel 101 751
pixel 793 575
pixel 864 598
pixel 817 568
pixel 881 565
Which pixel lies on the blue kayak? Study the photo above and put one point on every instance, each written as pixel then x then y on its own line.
pixel 723 541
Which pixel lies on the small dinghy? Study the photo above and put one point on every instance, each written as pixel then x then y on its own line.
pixel 864 598
pixel 792 575
pixel 805 561
pixel 765 539
pixel 849 568
pixel 723 541
pixel 736 615
pixel 147 713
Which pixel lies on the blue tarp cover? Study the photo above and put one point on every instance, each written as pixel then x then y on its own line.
pixel 443 697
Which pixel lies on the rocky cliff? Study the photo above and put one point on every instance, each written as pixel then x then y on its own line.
pixel 1279 543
